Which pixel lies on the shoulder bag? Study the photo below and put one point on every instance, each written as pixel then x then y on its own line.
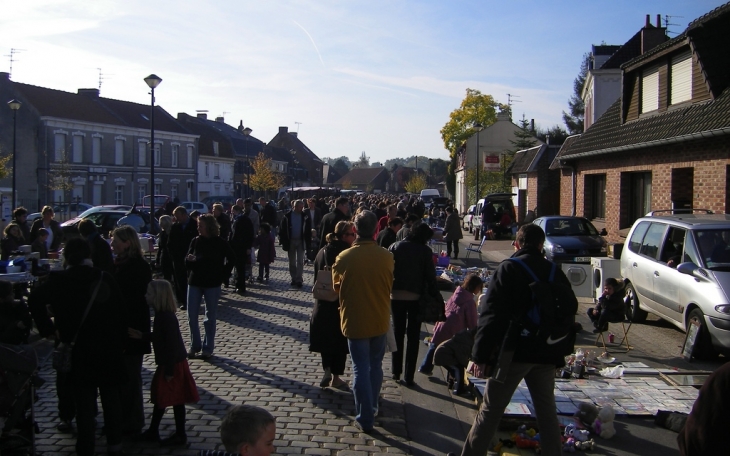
pixel 62 353
pixel 323 289
pixel 431 307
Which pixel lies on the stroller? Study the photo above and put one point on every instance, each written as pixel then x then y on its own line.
pixel 18 381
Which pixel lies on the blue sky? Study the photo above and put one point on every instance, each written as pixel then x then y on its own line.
pixel 376 76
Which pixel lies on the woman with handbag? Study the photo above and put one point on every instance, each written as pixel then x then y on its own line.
pixel 133 274
pixel 89 317
pixel 414 276
pixel 325 333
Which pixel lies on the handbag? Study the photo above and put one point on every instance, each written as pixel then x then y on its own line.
pixel 62 354
pixel 323 289
pixel 431 307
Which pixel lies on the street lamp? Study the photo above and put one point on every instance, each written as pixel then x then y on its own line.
pixel 14 105
pixel 430 170
pixel 152 81
pixel 477 127
pixel 247 132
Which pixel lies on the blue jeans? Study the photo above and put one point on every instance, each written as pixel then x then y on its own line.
pixel 367 371
pixel 195 298
pixel 427 364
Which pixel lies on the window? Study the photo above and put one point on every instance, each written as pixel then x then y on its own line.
pixel 174 152
pixel 639 195
pixel 190 157
pixel 189 192
pixel 157 154
pixel 597 187
pixel 142 160
pixel 217 171
pixel 119 194
pixel 206 167
pixel 59 148
pixel 673 248
pixel 215 148
pixel 653 240
pixel 681 79
pixel 173 191
pixel 119 152
pixel 96 150
pixel 78 150
pixel 141 192
pixel 158 190
pixel 650 90
pixel 637 236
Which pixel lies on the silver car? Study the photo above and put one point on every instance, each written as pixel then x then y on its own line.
pixel 677 267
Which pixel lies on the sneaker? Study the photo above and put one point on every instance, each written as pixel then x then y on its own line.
pixel 175 440
pixel 65 426
pixel 426 371
pixel 193 354
pixel 205 355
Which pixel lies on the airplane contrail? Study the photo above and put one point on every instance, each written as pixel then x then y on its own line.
pixel 312 40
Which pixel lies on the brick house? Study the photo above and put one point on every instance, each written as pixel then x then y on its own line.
pixel 366 179
pixel 537 185
pixel 664 142
pixel 98 146
pixel 304 166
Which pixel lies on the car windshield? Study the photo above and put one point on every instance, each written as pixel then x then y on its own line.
pixel 569 227
pixel 714 247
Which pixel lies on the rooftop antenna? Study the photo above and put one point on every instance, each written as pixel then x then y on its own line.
pixel 512 99
pixel 224 113
pixel 102 77
pixel 13 51
pixel 667 23
pixel 298 123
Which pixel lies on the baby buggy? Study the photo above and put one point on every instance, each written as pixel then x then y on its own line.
pixel 18 381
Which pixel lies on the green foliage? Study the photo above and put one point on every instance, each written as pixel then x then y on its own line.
pixel 264 178
pixel 574 118
pixel 524 137
pixel 489 181
pixel 475 107
pixel 557 135
pixel 416 183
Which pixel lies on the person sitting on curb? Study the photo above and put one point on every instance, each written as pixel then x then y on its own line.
pixel 610 307
pixel 246 431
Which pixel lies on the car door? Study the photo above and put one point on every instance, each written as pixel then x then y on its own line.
pixel 667 280
pixel 644 265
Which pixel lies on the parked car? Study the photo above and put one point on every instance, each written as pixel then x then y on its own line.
pixel 677 266
pixel 195 206
pixel 62 212
pixel 110 207
pixel 105 221
pixel 571 239
pixel 467 220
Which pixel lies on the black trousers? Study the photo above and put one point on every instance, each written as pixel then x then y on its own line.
pixel 335 362
pixel 241 273
pixel 85 399
pixel 65 395
pixel 406 323
pixel 131 395
pixel 180 279
pixel 455 244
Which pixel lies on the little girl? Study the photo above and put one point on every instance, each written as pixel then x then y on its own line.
pixel 172 384
pixel 267 251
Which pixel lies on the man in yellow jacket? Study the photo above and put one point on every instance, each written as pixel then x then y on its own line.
pixel 363 276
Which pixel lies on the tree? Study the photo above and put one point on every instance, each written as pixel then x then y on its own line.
pixel 416 183
pixel 475 107
pixel 557 135
pixel 574 119
pixel 363 161
pixel 341 166
pixel 524 137
pixel 264 178
pixel 61 177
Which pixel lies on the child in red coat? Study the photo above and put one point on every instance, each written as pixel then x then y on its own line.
pixel 172 384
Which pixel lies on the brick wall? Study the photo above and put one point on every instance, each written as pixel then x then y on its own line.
pixel 695 170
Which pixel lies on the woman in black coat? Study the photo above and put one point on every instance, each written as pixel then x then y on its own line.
pixel 133 274
pixel 325 333
pixel 98 360
pixel 414 274
pixel 163 259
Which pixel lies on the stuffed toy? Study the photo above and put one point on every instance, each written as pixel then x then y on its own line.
pixel 569 430
pixel 603 425
pixel 588 445
pixel 569 445
pixel 526 443
pixel 581 435
pixel 587 413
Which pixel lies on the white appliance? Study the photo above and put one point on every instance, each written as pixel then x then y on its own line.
pixel 604 268
pixel 579 276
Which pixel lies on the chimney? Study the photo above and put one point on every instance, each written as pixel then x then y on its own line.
pixel 648 21
pixel 202 115
pixel 651 36
pixel 240 126
pixel 283 129
pixel 658 21
pixel 93 93
pixel 219 119
pixel 532 125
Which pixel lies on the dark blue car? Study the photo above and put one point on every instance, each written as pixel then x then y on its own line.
pixel 571 239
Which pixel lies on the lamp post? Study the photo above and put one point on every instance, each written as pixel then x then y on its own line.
pixel 152 81
pixel 477 127
pixel 430 170
pixel 247 132
pixel 14 105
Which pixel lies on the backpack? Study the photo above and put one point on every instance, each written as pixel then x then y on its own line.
pixel 548 325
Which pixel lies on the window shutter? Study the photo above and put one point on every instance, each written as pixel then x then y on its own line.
pixel 681 77
pixel 650 90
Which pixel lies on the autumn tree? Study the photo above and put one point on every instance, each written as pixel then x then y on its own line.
pixel 61 177
pixel 416 183
pixel 475 107
pixel 264 178
pixel 574 118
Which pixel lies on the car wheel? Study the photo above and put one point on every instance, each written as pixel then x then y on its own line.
pixel 633 312
pixel 703 348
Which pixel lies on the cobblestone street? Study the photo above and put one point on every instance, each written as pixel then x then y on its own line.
pixel 261 358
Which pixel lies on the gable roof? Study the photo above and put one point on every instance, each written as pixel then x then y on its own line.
pixel 526 160
pixel 630 50
pixel 233 141
pixel 361 175
pixel 710 40
pixel 290 140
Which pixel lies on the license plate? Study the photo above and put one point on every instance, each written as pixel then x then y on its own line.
pixel 582 259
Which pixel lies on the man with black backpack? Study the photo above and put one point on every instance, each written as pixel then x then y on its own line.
pixel 525 328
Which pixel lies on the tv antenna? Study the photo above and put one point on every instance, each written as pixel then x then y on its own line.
pixel 13 51
pixel 667 23
pixel 224 113
pixel 512 99
pixel 102 77
pixel 298 123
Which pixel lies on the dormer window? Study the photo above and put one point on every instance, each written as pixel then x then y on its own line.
pixel 680 77
pixel 650 90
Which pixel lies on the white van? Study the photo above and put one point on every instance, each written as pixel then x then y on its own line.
pixel 428 194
